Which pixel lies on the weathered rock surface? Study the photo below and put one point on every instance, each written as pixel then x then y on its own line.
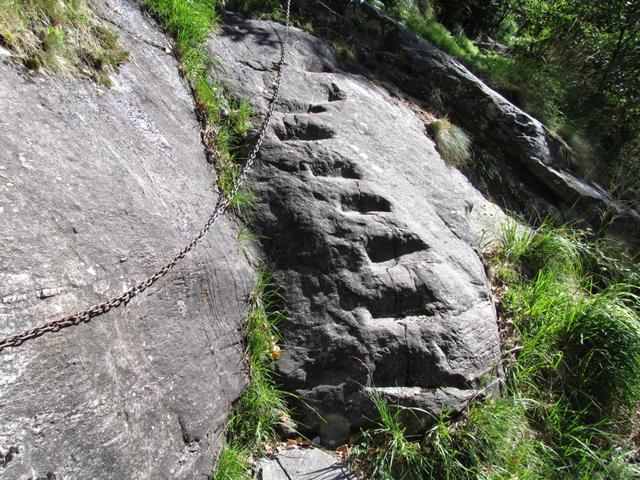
pixel 303 464
pixel 99 187
pixel 518 161
pixel 367 230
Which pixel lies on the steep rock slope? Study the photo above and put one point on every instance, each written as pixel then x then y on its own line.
pixel 368 231
pixel 99 187
pixel 518 159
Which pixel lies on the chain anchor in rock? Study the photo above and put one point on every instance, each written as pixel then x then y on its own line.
pixel 86 315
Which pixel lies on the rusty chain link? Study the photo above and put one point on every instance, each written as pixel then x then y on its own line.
pixel 221 207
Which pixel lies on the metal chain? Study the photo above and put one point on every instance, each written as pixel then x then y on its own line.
pixel 221 207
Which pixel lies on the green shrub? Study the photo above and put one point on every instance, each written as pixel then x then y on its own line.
pixel 578 346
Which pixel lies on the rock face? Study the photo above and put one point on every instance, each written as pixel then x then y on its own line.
pixel 99 187
pixel 517 160
pixel 367 230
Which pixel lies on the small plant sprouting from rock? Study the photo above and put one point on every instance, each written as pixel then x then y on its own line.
pixel 453 144
pixel 63 37
pixel 386 452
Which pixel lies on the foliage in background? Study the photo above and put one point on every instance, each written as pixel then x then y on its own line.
pixel 271 9
pixel 570 316
pixel 574 64
pixel 63 37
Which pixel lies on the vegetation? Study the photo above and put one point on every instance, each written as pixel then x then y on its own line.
pixel 452 142
pixel 392 454
pixel 63 37
pixel 262 406
pixel 572 64
pixel 232 465
pixel 570 316
pixel 271 9
pixel 569 306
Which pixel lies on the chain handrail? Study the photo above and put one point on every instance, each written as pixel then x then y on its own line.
pixel 223 203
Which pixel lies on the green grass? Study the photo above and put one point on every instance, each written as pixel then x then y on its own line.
pixel 232 465
pixel 426 25
pixel 577 325
pixel 536 86
pixel 62 37
pixel 256 414
pixel 546 86
pixel 264 9
pixel 385 452
pixel 494 440
pixel 453 144
pixel 226 121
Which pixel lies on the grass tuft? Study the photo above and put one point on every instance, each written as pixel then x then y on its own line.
pixel 62 37
pixel 257 413
pixel 232 465
pixel 386 452
pixel 493 440
pixel 425 24
pixel 453 144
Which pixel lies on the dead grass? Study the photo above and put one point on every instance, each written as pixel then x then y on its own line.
pixel 453 144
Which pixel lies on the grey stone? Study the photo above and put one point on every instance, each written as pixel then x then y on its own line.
pixel 304 464
pixel 88 177
pixel 367 230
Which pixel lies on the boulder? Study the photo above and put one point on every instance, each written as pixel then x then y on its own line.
pixel 98 188
pixel 367 230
